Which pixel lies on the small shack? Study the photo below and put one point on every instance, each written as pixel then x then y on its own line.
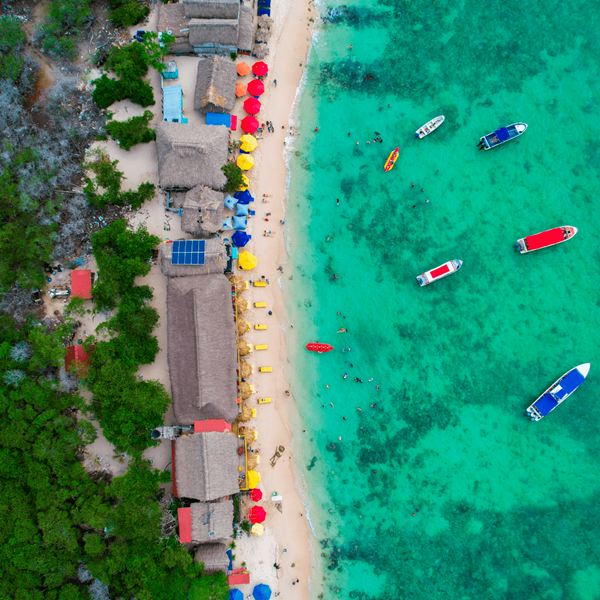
pixel 172 20
pixel 213 557
pixel 245 30
pixel 170 71
pixel 173 104
pixel 202 212
pixel 206 522
pixel 214 36
pixel 81 284
pixel 215 85
pixel 78 360
pixel 212 9
pixel 191 155
pixel 215 261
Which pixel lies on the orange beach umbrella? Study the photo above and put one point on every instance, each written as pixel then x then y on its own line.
pixel 240 89
pixel 243 69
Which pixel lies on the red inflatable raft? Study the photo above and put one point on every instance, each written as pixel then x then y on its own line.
pixel 319 347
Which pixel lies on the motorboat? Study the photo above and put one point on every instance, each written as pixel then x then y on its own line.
pixel 548 238
pixel 558 392
pixel 502 135
pixel 391 161
pixel 317 347
pixel 429 127
pixel 439 272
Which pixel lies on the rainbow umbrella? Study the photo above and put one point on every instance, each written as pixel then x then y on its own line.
pixel 249 124
pixel 252 106
pixel 249 143
pixel 257 514
pixel 240 89
pixel 245 162
pixel 260 68
pixel 255 494
pixel 256 87
pixel 243 69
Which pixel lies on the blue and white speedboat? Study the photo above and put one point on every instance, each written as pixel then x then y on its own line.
pixel 558 392
pixel 502 135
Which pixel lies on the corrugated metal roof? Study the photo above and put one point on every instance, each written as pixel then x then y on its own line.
pixel 172 103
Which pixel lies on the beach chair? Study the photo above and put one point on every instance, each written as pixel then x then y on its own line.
pixel 264 400
pixel 261 347
pixel 266 369
pixel 261 327
pixel 259 283
pixel 260 305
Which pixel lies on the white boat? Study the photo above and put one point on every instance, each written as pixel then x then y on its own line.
pixel 439 272
pixel 558 392
pixel 502 135
pixel 429 127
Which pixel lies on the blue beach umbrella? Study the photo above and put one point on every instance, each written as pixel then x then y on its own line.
pixel 261 592
pixel 244 197
pixel 240 238
pixel 236 595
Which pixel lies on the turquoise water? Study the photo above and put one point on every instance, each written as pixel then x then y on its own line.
pixel 444 489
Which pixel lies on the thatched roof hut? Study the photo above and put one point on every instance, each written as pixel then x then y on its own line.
pixel 212 521
pixel 215 261
pixel 191 155
pixel 201 347
pixel 215 85
pixel 202 211
pixel 212 9
pixel 171 17
pixel 209 36
pixel 260 51
pixel 213 556
pixel 246 29
pixel 206 466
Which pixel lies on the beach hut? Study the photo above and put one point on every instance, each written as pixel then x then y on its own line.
pixel 212 9
pixel 172 20
pixel 215 85
pixel 213 557
pixel 81 284
pixel 205 466
pixel 170 71
pixel 202 211
pixel 191 155
pixel 206 522
pixel 245 30
pixel 173 104
pixel 214 36
pixel 77 359
pixel 252 106
pixel 202 347
pixel 215 260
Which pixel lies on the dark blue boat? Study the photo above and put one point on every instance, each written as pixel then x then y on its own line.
pixel 502 135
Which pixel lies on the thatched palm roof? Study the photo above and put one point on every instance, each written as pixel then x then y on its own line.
pixel 201 347
pixel 260 51
pixel 191 155
pixel 212 9
pixel 213 521
pixel 209 32
pixel 202 211
pixel 171 17
pixel 215 261
pixel 213 556
pixel 246 30
pixel 215 85
pixel 206 466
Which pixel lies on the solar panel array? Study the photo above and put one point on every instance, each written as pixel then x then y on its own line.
pixel 188 252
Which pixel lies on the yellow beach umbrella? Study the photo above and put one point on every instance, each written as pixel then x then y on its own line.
pixel 245 185
pixel 252 479
pixel 245 162
pixel 249 143
pixel 247 261
pixel 257 529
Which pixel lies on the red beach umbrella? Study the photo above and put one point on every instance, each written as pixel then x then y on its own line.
pixel 257 514
pixel 252 106
pixel 256 87
pixel 260 68
pixel 249 124
pixel 255 495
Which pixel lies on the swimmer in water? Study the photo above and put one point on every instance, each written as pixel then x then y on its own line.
pixel 370 379
pixel 345 375
pixel 331 405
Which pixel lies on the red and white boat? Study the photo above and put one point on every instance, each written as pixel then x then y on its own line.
pixel 545 239
pixel 439 272
pixel 320 348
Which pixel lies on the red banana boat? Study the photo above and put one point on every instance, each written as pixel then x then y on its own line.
pixel 320 348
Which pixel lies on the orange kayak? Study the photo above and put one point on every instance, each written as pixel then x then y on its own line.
pixel 389 163
pixel 315 347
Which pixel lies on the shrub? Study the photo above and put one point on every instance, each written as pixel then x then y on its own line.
pixel 107 91
pixel 133 131
pixel 129 14
pixel 234 177
pixel 128 62
pixel 12 38
pixel 63 26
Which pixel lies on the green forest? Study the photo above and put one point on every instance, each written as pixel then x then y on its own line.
pixel 66 533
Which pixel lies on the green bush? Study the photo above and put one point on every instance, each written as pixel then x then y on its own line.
pixel 133 131
pixel 107 91
pixel 63 26
pixel 234 177
pixel 128 62
pixel 12 38
pixel 128 14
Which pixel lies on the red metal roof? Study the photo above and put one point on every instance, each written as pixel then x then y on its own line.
pixel 218 425
pixel 546 238
pixel 239 579
pixel 184 515
pixel 75 357
pixel 81 283
pixel 439 271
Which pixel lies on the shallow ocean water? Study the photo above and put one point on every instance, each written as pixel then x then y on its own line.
pixel 444 489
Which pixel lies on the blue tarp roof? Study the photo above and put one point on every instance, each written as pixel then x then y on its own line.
pixel 545 404
pixel 218 119
pixel 569 384
pixel 502 134
pixel 172 103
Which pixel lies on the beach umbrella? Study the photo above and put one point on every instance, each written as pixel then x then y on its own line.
pixel 261 592
pixel 256 87
pixel 245 162
pixel 257 514
pixel 252 477
pixel 235 594
pixel 240 239
pixel 257 529
pixel 243 69
pixel 260 68
pixel 246 262
pixel 249 143
pixel 244 185
pixel 249 124
pixel 255 495
pixel 240 89
pixel 252 106
pixel 244 197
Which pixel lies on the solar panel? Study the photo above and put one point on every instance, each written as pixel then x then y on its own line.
pixel 188 252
